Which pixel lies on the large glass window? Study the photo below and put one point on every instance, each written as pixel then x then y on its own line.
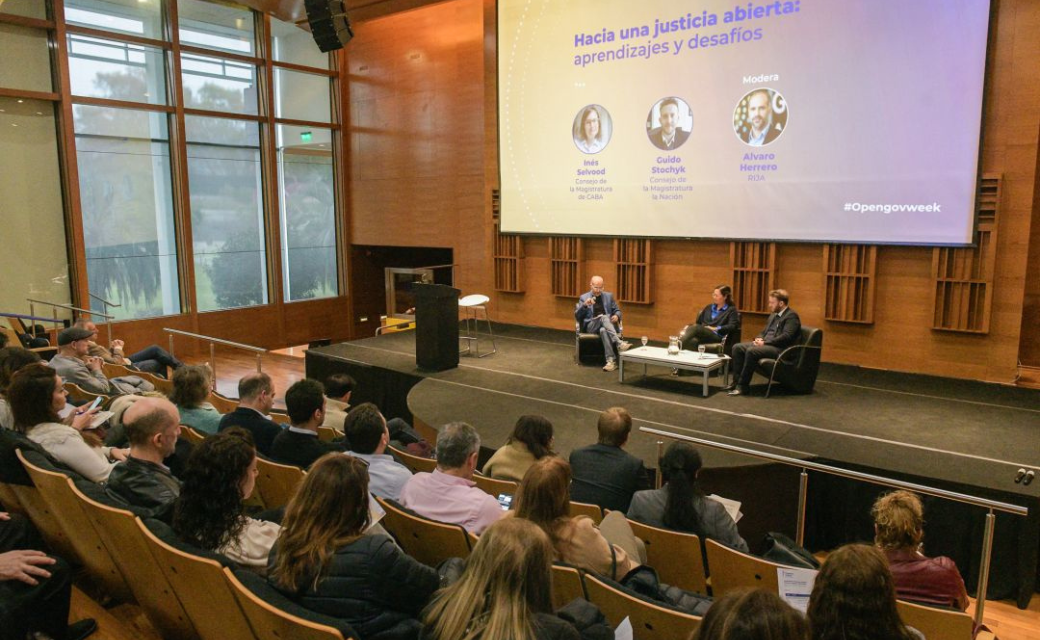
pixel 101 68
pixel 227 213
pixel 218 84
pixel 295 45
pixel 128 231
pixel 301 96
pixel 216 26
pixel 308 212
pixel 25 61
pixel 135 17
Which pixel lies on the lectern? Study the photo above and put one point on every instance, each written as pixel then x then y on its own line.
pixel 436 326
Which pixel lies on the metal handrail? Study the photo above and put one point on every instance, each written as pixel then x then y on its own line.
pixel 58 305
pixel 104 302
pixel 805 465
pixel 259 351
pixel 22 316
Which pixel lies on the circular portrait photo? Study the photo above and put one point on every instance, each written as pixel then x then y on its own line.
pixel 760 117
pixel 592 129
pixel 669 123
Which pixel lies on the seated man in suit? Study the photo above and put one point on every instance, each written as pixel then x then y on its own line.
pixel 603 473
pixel 598 312
pixel 299 444
pixel 782 330
pixel 255 401
pixel 142 480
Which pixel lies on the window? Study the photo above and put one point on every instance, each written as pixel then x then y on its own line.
pixel 301 96
pixel 217 84
pixel 26 8
pixel 295 45
pixel 134 17
pixel 100 68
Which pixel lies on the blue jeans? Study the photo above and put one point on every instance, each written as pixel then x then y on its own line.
pixel 607 333
pixel 154 359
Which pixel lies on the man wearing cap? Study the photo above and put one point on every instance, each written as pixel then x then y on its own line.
pixel 153 359
pixel 74 365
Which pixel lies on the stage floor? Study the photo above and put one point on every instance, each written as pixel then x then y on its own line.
pixel 952 430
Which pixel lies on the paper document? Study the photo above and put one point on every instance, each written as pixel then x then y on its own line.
pixel 624 630
pixel 732 507
pixel 375 511
pixel 795 586
pixel 99 418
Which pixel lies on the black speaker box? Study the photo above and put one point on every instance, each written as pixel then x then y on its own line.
pixel 329 23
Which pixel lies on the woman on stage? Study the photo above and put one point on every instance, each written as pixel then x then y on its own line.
pixel 715 322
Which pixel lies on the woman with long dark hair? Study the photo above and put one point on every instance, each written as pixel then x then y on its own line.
pixel 11 360
pixel 752 614
pixel 325 561
pixel 680 505
pixel 532 440
pixel 715 321
pixel 220 474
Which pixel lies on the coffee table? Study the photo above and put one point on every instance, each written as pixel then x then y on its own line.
pixel 689 360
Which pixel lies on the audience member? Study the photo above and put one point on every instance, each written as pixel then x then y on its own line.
pixel 338 388
pixel 152 426
pixel 854 598
pixel 192 385
pixel 505 593
pixel 255 401
pixel 898 531
pixel 11 359
pixel 35 589
pixel 153 359
pixel 368 436
pixel 680 505
pixel 609 550
pixel 324 560
pixel 752 614
pixel 532 440
pixel 209 514
pixel 74 365
pixel 604 474
pixel 37 396
pixel 449 493
pixel 299 444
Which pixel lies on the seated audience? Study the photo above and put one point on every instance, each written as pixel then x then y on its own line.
pixel 680 505
pixel 609 550
pixel 209 514
pixel 752 614
pixel 505 593
pixel 854 598
pixel 37 396
pixel 11 359
pixel 338 388
pixel 35 589
pixel 368 436
pixel 449 493
pixel 604 474
pixel 299 444
pixel 74 365
pixel 152 426
pixel 192 385
pixel 256 399
pixel 153 359
pixel 324 561
pixel 898 531
pixel 532 440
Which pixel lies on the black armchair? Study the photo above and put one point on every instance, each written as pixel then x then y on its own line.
pixel 588 347
pixel 798 365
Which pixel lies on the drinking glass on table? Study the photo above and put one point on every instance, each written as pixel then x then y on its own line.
pixel 700 351
pixel 644 340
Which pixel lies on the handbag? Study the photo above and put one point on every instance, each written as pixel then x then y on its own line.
pixel 783 550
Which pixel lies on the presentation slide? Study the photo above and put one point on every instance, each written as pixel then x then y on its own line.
pixel 815 120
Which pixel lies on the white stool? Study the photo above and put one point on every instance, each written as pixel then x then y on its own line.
pixel 470 305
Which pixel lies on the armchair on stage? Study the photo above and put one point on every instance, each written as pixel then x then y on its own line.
pixel 588 347
pixel 798 365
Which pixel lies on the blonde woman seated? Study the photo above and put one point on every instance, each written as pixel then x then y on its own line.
pixel 531 441
pixel 37 396
pixel 220 474
pixel 326 563
pixel 505 593
pixel 191 388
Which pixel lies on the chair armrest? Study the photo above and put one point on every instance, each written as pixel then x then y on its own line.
pixel 792 348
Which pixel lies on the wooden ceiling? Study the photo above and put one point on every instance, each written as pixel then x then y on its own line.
pixel 293 10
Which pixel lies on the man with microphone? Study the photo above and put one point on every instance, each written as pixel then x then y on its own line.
pixel 598 312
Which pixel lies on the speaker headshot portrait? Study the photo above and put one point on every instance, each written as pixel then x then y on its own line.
pixel 592 129
pixel 669 123
pixel 760 117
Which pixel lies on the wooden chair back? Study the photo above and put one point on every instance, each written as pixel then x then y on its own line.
pixel 676 556
pixel 277 483
pixel 584 509
pixel 280 418
pixel 649 621
pixel 566 585
pixel 426 540
pixel 414 463
pixel 493 486
pixel 203 590
pixel 162 385
pixel 80 395
pixel 40 513
pixel 9 500
pixel 223 404
pixel 90 551
pixel 936 623
pixel 13 340
pixel 192 435
pixel 328 434
pixel 270 623
pixel 731 569
pixel 118 530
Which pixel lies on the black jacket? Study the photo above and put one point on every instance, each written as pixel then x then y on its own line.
pixel 263 430
pixel 727 320
pixel 788 329
pixel 146 485
pixel 370 583
pixel 606 476
pixel 300 449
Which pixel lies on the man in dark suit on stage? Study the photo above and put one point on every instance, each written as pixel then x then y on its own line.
pixel 782 330
pixel 669 136
pixel 598 312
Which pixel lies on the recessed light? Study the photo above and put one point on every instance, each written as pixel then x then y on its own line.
pixel 20 101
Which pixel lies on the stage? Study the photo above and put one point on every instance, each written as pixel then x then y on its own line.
pixel 954 434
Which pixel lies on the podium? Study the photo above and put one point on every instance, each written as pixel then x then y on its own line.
pixel 436 326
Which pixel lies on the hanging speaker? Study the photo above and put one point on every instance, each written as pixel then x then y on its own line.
pixel 329 24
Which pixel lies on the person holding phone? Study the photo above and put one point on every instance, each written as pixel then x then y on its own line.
pixel 598 312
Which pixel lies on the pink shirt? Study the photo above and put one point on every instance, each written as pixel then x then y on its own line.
pixel 446 498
